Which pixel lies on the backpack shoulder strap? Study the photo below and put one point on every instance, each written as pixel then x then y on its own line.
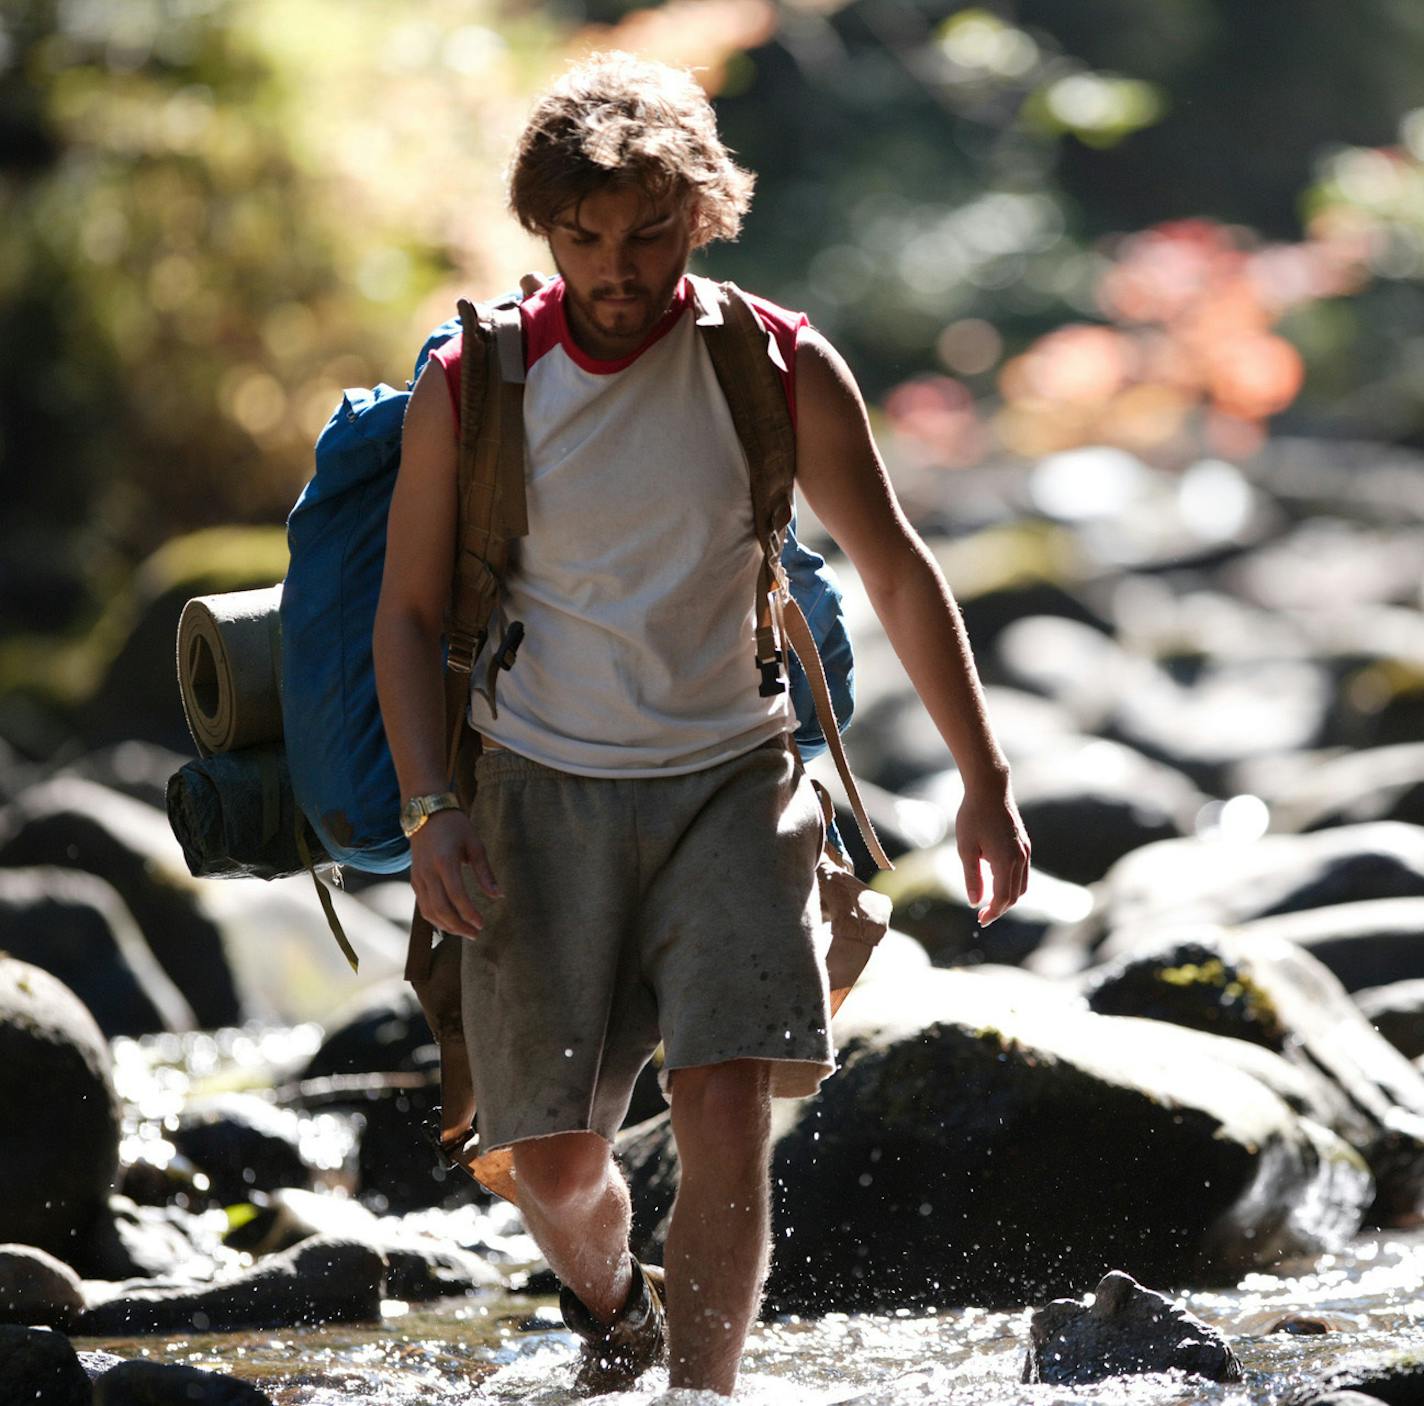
pixel 739 347
pixel 492 515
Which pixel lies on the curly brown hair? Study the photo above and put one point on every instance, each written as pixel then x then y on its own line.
pixel 615 120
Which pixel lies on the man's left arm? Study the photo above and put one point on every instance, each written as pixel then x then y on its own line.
pixel 840 473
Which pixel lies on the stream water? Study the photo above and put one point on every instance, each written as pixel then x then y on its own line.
pixel 1295 1328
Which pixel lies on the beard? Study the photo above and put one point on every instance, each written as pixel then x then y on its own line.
pixel 617 318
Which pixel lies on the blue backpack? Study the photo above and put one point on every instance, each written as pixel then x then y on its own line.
pixel 341 769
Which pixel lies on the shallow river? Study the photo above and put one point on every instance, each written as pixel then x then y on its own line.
pixel 1355 1309
pixel 500 1348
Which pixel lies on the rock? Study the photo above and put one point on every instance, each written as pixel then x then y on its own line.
pixel 1397 1012
pixel 132 649
pixel 95 1364
pixel 243 1143
pixel 987 1141
pixel 1229 712
pixel 1378 783
pixel 136 769
pixel 137 1383
pixel 236 949
pixel 38 1365
pixel 80 825
pixel 319 1281
pixel 37 1290
pixel 142 1242
pixel 1208 880
pixel 931 905
pixel 59 1114
pixel 1273 994
pixel 1096 801
pixel 77 928
pixel 1126 1329
pixel 1080 667
pixel 1372 943
pixel 418 1266
pixel 385 1032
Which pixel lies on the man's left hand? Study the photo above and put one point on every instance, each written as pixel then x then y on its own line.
pixel 988 830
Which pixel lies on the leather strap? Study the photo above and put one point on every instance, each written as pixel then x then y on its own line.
pixel 798 635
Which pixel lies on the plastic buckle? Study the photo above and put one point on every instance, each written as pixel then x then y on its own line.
pixel 771 680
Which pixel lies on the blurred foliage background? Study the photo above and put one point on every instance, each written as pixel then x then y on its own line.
pixel 1173 228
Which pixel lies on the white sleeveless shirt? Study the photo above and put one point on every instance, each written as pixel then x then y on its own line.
pixel 637 581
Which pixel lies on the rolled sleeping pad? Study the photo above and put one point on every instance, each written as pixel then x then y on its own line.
pixel 236 818
pixel 230 669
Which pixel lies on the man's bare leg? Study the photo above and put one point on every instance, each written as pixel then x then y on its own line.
pixel 718 1244
pixel 575 1204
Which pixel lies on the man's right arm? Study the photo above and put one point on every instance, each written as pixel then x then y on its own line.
pixel 415 592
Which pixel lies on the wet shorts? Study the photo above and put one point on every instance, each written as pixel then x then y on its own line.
pixel 682 909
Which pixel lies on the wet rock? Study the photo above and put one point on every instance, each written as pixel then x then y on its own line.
pixel 319 1281
pixel 1397 1012
pixel 59 1115
pixel 244 1144
pixel 38 1365
pixel 130 1241
pixel 418 1266
pixel 1207 880
pixel 987 1141
pixel 76 927
pixel 1271 993
pixel 37 1290
pixel 1372 943
pixel 137 1383
pixel 1127 1329
pixel 385 1032
pixel 80 825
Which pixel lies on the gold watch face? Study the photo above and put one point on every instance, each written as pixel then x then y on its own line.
pixel 412 817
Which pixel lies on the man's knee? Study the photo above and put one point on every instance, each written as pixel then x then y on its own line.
pixel 722 1108
pixel 560 1172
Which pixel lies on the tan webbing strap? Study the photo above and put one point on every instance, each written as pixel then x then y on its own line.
pixel 799 637
pixel 492 509
pixel 328 908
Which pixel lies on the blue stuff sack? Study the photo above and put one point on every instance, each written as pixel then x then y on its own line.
pixel 342 773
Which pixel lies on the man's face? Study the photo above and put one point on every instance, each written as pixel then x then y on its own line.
pixel 622 256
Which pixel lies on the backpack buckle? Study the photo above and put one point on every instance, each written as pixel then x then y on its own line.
pixel 771 680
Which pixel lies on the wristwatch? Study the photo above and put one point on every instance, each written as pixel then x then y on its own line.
pixel 418 809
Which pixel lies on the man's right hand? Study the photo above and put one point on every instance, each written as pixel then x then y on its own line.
pixel 444 854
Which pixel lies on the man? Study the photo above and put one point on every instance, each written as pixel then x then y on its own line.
pixel 643 841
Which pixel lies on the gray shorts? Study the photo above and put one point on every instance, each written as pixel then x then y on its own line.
pixel 682 909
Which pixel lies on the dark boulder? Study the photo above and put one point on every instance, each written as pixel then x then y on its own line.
pixel 1397 1012
pixel 244 1144
pixel 138 1383
pixel 1095 802
pixel 319 1281
pixel 988 1141
pixel 77 928
pixel 37 1290
pixel 130 1241
pixel 1213 880
pixel 1371 943
pixel 1271 993
pixel 38 1365
pixel 80 825
pixel 59 1114
pixel 1126 1329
